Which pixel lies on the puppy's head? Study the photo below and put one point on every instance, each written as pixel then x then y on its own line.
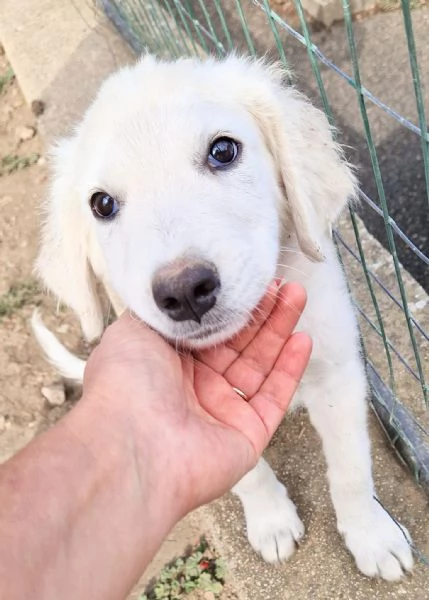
pixel 178 188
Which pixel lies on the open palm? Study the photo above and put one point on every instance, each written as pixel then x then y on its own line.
pixel 204 434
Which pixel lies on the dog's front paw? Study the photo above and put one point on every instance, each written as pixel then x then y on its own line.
pixel 273 526
pixel 381 547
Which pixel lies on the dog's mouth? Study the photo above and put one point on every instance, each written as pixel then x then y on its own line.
pixel 205 334
pixel 210 334
pixel 203 338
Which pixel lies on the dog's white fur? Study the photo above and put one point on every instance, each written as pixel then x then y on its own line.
pixel 145 141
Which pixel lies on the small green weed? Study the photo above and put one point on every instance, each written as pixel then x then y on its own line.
pixel 5 79
pixel 13 162
pixel 17 296
pixel 198 570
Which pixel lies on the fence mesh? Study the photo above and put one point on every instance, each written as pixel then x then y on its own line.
pixel 365 73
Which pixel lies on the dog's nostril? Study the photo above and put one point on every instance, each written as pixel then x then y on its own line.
pixel 205 288
pixel 170 303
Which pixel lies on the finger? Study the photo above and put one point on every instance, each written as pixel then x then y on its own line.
pixel 253 365
pixel 221 357
pixel 276 393
pixel 226 407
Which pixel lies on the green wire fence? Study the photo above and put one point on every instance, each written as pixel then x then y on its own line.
pixel 393 308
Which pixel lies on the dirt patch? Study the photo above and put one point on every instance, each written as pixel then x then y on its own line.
pixel 23 180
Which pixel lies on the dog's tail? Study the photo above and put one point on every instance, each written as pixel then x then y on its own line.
pixel 67 364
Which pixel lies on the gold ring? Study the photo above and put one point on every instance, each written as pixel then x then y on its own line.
pixel 240 393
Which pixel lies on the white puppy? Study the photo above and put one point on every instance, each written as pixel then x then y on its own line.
pixel 186 188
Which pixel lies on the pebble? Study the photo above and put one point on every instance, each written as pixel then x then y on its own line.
pixel 25 133
pixel 17 102
pixel 38 107
pixel 54 394
pixel 64 328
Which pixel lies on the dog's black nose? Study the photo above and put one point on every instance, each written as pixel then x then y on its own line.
pixel 186 290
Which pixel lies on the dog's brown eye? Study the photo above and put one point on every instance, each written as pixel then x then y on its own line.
pixel 103 206
pixel 223 152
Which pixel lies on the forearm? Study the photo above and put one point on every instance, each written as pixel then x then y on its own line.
pixel 77 518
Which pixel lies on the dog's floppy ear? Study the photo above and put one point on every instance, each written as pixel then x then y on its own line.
pixel 317 180
pixel 63 261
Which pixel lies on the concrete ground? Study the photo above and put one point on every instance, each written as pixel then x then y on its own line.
pixel 60 53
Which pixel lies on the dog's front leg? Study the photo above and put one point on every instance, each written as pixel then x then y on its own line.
pixel 337 408
pixel 273 525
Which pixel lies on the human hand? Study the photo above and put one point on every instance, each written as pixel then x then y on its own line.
pixel 192 436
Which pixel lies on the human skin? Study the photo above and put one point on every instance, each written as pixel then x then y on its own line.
pixel 86 505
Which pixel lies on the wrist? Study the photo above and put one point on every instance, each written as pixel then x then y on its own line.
pixel 117 437
pixel 83 503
